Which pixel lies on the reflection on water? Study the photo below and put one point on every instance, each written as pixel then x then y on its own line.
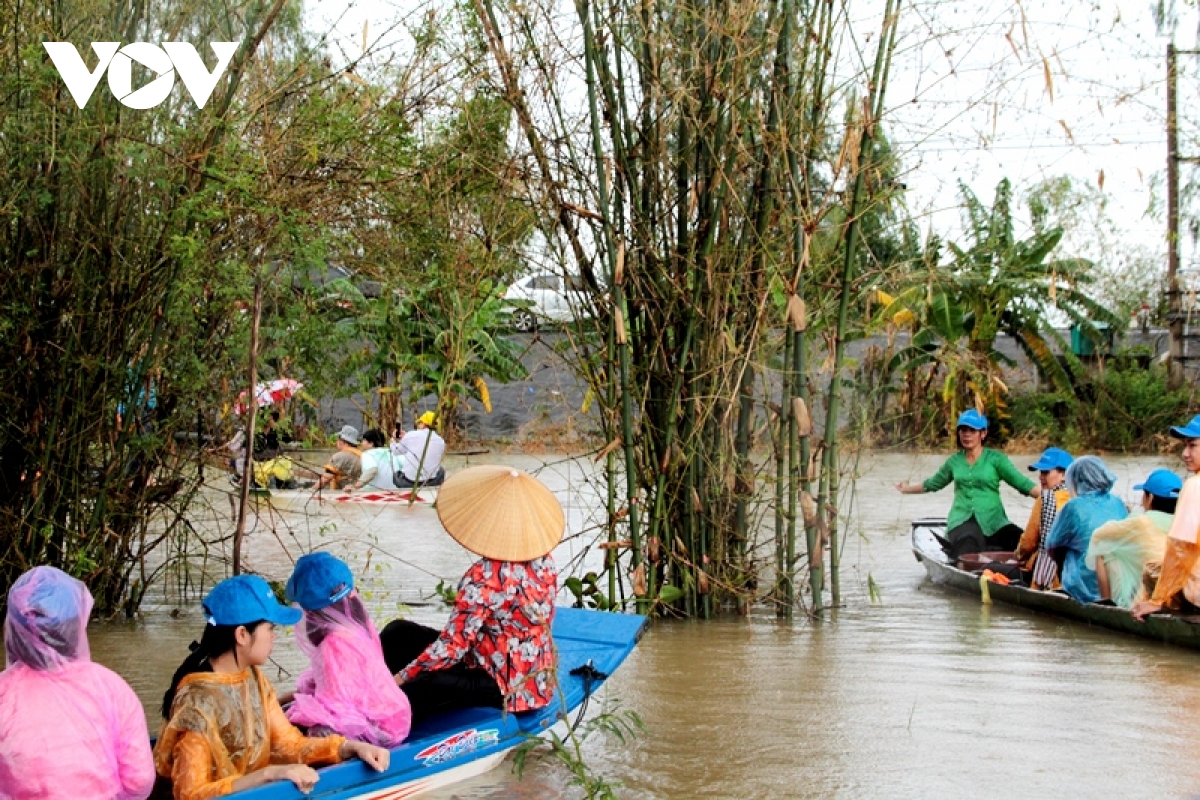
pixel 927 693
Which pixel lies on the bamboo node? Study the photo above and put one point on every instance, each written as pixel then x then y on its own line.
pixel 639 580
pixel 809 506
pixel 619 322
pixel 619 271
pixel 797 313
pixel 804 424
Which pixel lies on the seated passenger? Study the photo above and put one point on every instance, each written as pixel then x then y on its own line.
pixel 976 521
pixel 348 689
pixel 496 649
pixel 1092 505
pixel 68 727
pixel 345 466
pixel 421 452
pixel 1031 552
pixel 1120 550
pixel 1178 587
pixel 224 729
pixel 376 463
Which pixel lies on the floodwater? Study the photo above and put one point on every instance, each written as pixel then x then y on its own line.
pixel 923 693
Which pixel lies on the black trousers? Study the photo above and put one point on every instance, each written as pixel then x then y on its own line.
pixel 967 537
pixel 433 693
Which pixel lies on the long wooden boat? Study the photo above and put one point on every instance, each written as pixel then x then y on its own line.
pixel 463 744
pixel 308 500
pixel 1169 628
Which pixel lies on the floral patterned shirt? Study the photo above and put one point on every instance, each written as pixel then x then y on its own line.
pixel 501 622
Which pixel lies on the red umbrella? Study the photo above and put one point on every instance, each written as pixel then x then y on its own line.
pixel 268 394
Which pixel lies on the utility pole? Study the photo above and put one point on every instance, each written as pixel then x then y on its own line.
pixel 1174 296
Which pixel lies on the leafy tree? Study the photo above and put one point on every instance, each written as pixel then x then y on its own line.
pixel 994 283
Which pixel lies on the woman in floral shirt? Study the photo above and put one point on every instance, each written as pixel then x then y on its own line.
pixel 496 648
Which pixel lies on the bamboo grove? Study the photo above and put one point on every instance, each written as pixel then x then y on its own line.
pixel 711 201
pixel 712 171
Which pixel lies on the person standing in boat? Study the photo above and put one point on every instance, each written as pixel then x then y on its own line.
pixel 1040 569
pixel 348 688
pixel 1120 551
pixel 1178 587
pixel 224 729
pixel 1092 504
pixel 68 727
pixel 496 649
pixel 976 521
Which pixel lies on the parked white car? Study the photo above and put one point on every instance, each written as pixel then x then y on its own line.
pixel 549 298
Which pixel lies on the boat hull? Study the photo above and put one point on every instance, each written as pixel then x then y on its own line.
pixel 1183 631
pixel 462 744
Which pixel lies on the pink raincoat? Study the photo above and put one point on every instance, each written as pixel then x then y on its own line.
pixel 348 689
pixel 68 727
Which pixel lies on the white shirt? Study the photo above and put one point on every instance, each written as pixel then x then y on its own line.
pixel 413 445
pixel 377 469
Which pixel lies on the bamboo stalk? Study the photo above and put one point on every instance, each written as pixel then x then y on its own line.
pixel 239 530
pixel 827 507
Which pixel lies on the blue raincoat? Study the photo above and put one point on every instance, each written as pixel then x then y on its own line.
pixel 1090 481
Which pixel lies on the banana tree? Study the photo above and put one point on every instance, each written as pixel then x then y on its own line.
pixel 994 283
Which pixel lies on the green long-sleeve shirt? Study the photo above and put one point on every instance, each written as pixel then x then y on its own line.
pixel 977 488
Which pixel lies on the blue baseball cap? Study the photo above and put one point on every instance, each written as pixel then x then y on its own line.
pixel 318 580
pixel 243 599
pixel 1052 458
pixel 1189 431
pixel 972 419
pixel 1161 483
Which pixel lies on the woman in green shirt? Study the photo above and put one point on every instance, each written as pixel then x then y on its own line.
pixel 976 521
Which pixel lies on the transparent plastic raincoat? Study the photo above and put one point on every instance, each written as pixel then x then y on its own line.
pixel 226 725
pixel 1090 481
pixel 348 689
pixel 68 727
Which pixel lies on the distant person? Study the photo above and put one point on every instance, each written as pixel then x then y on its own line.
pixel 1092 505
pixel 1178 587
pixel 1120 551
pixel 976 521
pixel 421 452
pixel 224 729
pixel 376 463
pixel 345 466
pixel 348 688
pixel 68 727
pixel 1031 552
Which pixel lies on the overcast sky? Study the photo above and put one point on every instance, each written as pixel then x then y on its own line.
pixel 981 91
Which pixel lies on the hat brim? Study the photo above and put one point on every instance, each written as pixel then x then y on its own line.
pixel 1186 432
pixel 1141 487
pixel 285 615
pixel 500 512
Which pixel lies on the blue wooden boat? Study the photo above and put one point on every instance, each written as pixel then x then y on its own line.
pixel 462 744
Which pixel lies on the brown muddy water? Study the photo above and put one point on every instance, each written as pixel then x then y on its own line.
pixel 923 693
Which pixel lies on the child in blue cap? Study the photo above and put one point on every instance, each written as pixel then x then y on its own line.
pixel 1178 587
pixel 224 730
pixel 1119 551
pixel 348 689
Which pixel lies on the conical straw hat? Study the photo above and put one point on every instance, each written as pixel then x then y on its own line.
pixel 500 512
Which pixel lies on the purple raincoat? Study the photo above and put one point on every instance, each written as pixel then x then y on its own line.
pixel 68 727
pixel 348 688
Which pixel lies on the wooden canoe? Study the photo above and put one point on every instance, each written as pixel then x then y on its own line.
pixel 1169 628
pixel 463 744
